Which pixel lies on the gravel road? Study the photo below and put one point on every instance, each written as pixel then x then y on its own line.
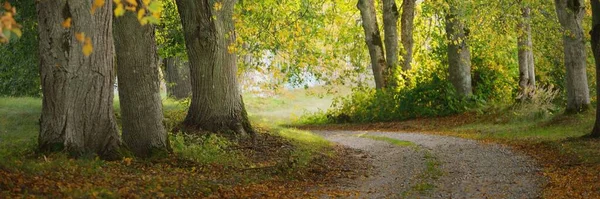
pixel 439 167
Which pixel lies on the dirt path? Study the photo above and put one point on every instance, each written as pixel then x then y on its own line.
pixel 429 166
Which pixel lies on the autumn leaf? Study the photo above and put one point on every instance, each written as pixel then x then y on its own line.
pixel 97 4
pixel 87 47
pixel 119 10
pixel 67 23
pixel 80 36
pixel 218 6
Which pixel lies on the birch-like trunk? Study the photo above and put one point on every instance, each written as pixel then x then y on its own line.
pixel 209 32
pixel 459 56
pixel 570 14
pixel 390 29
pixel 526 60
pixel 77 110
pixel 139 87
pixel 407 26
pixel 373 40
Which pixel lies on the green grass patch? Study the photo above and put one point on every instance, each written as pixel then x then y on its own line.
pixel 389 140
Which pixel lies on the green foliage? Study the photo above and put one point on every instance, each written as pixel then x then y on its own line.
pixel 169 32
pixel 205 149
pixel 19 72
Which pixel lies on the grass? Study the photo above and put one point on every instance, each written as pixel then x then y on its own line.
pixel 389 140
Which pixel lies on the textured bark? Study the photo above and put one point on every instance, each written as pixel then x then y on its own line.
pixel 77 111
pixel 390 29
pixel 459 56
pixel 407 26
pixel 139 87
pixel 217 105
pixel 570 14
pixel 373 40
pixel 595 34
pixel 177 76
pixel 526 60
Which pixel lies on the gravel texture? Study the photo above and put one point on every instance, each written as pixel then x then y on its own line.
pixel 462 168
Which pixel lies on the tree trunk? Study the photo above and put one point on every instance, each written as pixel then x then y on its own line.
pixel 408 16
pixel 373 40
pixel 596 50
pixel 177 76
pixel 139 87
pixel 570 14
pixel 459 57
pixel 526 62
pixel 390 29
pixel 217 105
pixel 77 111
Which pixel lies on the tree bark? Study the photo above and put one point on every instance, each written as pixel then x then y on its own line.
pixel 139 87
pixel 595 34
pixel 373 40
pixel 407 26
pixel 217 105
pixel 77 112
pixel 177 76
pixel 526 61
pixel 459 56
pixel 390 29
pixel 570 14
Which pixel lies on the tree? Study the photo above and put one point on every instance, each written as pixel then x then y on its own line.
pixel 526 62
pixel 139 87
pixel 390 28
pixel 595 33
pixel 217 105
pixel 373 40
pixel 570 14
pixel 408 16
pixel 77 111
pixel 459 56
pixel 177 75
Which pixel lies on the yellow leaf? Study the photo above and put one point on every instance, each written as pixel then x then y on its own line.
pixel 146 2
pixel 97 4
pixel 119 10
pixel 141 14
pixel 218 6
pixel 67 23
pixel 117 2
pixel 80 36
pixel 87 47
pixel 132 2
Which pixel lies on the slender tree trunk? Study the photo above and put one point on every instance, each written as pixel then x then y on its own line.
pixel 596 50
pixel 139 87
pixel 177 76
pixel 407 26
pixel 77 111
pixel 570 14
pixel 459 56
pixel 390 29
pixel 217 105
pixel 373 39
pixel 526 62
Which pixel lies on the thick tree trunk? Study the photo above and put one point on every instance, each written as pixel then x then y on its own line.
pixel 596 50
pixel 390 29
pixel 407 26
pixel 570 14
pixel 459 56
pixel 373 39
pixel 139 87
pixel 177 76
pixel 526 61
pixel 217 105
pixel 77 111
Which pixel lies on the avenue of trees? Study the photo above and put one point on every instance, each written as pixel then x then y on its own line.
pixel 426 58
